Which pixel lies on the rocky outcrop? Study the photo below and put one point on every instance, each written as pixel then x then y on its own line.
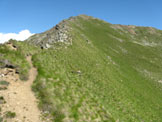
pixel 6 64
pixel 59 33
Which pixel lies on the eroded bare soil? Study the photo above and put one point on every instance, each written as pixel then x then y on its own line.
pixel 18 96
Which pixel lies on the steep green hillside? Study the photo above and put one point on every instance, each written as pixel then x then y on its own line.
pixel 102 72
pixel 14 59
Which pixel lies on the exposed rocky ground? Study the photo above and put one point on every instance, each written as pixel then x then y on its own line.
pixel 59 33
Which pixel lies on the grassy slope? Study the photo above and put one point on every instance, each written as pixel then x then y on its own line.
pixel 118 80
pixel 119 73
pixel 18 57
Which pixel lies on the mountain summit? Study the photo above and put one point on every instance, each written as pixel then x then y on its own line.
pixel 62 32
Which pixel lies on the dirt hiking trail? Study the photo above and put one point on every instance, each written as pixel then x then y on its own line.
pixel 19 97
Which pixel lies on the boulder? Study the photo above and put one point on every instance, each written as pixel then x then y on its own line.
pixel 6 64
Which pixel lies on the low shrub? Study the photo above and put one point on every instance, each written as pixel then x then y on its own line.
pixel 10 114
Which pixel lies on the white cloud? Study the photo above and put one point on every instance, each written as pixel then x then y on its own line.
pixel 21 36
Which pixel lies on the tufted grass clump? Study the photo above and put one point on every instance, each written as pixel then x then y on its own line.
pixel 10 114
pixel 4 83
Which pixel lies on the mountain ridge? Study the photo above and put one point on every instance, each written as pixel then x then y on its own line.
pixel 61 32
pixel 105 73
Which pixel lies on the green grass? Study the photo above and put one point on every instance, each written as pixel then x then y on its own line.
pixel 118 80
pixel 1 119
pixel 18 57
pixel 2 100
pixel 10 114
pixel 113 85
pixel 4 83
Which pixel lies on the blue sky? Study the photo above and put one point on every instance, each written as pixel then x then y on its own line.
pixel 40 15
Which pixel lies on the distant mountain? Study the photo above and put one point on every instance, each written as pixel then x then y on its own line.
pixel 61 32
pixel 93 71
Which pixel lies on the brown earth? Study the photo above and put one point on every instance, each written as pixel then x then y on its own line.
pixel 19 96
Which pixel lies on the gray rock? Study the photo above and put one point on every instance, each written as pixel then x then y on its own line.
pixel 6 64
pixel 59 33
